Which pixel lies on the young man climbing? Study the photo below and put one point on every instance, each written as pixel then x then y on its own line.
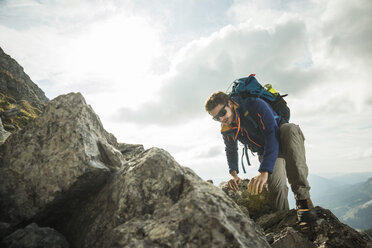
pixel 280 148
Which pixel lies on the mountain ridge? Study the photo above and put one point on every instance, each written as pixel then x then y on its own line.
pixel 21 100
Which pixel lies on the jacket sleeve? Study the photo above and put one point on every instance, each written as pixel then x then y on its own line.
pixel 270 130
pixel 231 148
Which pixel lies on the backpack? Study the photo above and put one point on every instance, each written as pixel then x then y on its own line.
pixel 250 87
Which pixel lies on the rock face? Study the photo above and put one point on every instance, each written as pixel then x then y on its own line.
pixel 21 100
pixel 66 172
pixel 59 157
pixel 283 230
pixel 154 202
pixel 15 82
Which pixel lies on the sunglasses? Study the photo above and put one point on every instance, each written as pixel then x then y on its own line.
pixel 221 113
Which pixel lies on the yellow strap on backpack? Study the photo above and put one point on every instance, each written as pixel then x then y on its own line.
pixel 270 89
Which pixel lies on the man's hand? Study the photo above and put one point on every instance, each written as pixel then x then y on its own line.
pixel 256 184
pixel 234 183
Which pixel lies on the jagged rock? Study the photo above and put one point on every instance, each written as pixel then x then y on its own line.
pixel 21 100
pixel 111 156
pixel 130 151
pixel 35 236
pixel 253 205
pixel 289 237
pixel 3 133
pixel 55 161
pixel 283 230
pixel 66 172
pixel 16 83
pixel 154 202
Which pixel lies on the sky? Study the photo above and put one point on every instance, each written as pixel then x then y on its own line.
pixel 147 67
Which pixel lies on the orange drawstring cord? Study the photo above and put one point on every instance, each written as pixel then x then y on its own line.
pixel 263 126
pixel 237 132
pixel 251 139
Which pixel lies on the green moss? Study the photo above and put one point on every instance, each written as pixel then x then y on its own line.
pixel 30 111
pixel 257 205
pixel 27 112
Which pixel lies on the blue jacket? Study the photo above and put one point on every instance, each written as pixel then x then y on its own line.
pixel 257 127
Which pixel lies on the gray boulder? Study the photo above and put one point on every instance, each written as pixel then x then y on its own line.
pixel 66 172
pixel 57 160
pixel 155 202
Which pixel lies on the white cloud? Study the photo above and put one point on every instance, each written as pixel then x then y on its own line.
pixel 101 50
pixel 160 61
pixel 360 153
pixel 210 64
pixel 284 52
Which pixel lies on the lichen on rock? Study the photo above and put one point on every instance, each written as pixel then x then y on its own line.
pixel 254 205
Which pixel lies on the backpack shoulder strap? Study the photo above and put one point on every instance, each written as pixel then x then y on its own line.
pixel 244 111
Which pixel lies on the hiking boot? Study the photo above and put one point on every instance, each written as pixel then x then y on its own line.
pixel 305 211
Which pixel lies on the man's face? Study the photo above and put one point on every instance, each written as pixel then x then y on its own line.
pixel 223 113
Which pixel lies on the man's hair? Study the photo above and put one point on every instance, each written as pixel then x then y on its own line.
pixel 216 98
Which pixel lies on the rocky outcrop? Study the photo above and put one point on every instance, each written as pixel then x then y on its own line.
pixel 66 172
pixel 154 202
pixel 21 100
pixel 15 82
pixel 57 159
pixel 283 230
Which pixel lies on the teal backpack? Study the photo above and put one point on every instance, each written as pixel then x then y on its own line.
pixel 250 87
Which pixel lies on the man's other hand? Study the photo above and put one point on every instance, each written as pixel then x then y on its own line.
pixel 256 184
pixel 234 183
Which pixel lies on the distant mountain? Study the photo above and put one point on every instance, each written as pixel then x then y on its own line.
pixel 319 186
pixel 352 204
pixel 353 178
pixel 349 197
